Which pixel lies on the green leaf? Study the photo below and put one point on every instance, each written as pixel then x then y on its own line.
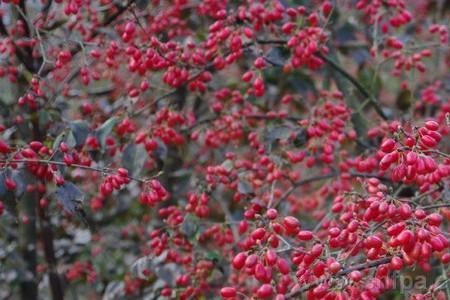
pixel 133 158
pixel 371 81
pixel 189 227
pixel 103 131
pixel 212 255
pixel 228 165
pixel 22 179
pixel 3 189
pixel 59 139
pixel 278 56
pixel 277 133
pixel 404 100
pixel 70 140
pixel 301 138
pixel 142 4
pixel 161 151
pixel 80 130
pixel 70 196
pixel 244 187
pixel 66 137
pixel 44 118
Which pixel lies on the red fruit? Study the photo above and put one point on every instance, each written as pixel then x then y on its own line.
pixel 271 214
pixel 355 276
pixel 10 184
pixel 265 291
pixel 395 229
pixel 228 292
pixel 28 153
pixel 432 125
pixel 335 267
pixel 386 162
pixel 445 258
pixel 435 135
pixel 63 147
pixel 251 260
pixel 388 146
pixel 396 263
pixel 316 250
pixel 260 273
pixel 405 237
pixel 258 234
pixel 122 172
pixel 259 63
pixel 305 235
pixel 405 210
pixel 239 260
pixel 247 76
pixel 411 158
pixel 283 266
pixel 435 219
pixel 334 231
pixel 291 224
pixel 326 8
pixel 437 244
pixel 4 148
pixel 35 145
pixel 428 141
pixel 271 257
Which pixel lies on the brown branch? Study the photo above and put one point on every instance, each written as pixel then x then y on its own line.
pixel 428 207
pixel 341 71
pixel 249 116
pixel 356 83
pixel 55 280
pixel 27 245
pixel 60 163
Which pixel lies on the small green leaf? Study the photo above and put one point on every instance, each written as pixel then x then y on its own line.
pixel 133 158
pixel 277 133
pixel 404 100
pixel 103 131
pixel 301 138
pixel 80 130
pixel 371 81
pixel 244 187
pixel 212 255
pixel 58 140
pixel 142 4
pixel 70 196
pixel 228 165
pixel 3 189
pixel 189 227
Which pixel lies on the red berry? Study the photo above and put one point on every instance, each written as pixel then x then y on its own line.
pixel 258 234
pixel 4 148
pixel 265 291
pixel 335 267
pixel 355 276
pixel 428 141
pixel 305 235
pixel 388 146
pixel 239 260
pixel 291 224
pixel 432 125
pixel 228 292
pixel 396 263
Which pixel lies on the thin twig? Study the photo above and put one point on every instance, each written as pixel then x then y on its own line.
pixel 60 163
